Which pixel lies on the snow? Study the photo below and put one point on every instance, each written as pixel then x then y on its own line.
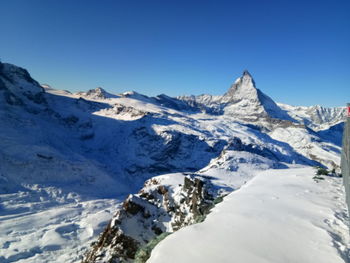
pixel 309 145
pixel 34 231
pixel 317 117
pixel 279 216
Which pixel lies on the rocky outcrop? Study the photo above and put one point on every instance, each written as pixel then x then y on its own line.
pixel 19 89
pixel 96 94
pixel 156 209
pixel 120 111
pixel 167 151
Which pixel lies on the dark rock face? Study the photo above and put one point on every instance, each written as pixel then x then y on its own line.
pixel 2 85
pixel 12 99
pixel 11 72
pixel 124 247
pixel 127 110
pixel 176 104
pixel 37 98
pixel 236 144
pixel 141 218
pixel 98 92
pixel 170 150
pixel 19 89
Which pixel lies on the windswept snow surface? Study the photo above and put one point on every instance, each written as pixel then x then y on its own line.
pixel 35 228
pixel 280 216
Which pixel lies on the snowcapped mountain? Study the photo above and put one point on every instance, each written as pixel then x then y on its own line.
pixel 317 117
pixel 98 93
pixel 90 150
pixel 243 101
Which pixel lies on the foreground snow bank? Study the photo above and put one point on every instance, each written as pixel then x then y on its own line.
pixel 279 216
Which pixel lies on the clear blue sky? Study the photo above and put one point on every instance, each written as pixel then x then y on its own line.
pixel 297 51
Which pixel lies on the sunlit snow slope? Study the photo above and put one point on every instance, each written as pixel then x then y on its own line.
pixel 279 216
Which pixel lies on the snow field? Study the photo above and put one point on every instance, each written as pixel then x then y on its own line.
pixel 279 216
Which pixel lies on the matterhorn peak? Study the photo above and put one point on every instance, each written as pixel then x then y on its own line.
pixel 243 87
pixel 244 100
pixel 246 73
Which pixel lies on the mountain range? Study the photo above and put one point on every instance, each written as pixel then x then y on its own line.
pixel 164 161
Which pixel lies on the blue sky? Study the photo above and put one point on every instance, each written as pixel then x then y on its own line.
pixel 297 51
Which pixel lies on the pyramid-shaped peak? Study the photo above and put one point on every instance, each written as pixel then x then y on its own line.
pixel 243 87
pixel 247 77
pixel 246 73
pixel 244 100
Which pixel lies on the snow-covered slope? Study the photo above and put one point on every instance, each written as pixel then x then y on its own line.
pixel 280 216
pixel 61 150
pixel 317 117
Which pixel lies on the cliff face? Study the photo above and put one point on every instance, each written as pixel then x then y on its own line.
pixel 19 89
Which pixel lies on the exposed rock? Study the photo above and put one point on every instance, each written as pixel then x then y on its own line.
pixel 141 218
pixel 13 73
pixel 12 99
pixel 71 119
pixel 2 85
pixel 19 89
pixel 132 207
pixel 96 94
pixel 44 156
pixel 120 110
pixel 37 98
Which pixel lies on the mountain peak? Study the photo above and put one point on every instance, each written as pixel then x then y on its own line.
pixel 97 93
pixel 243 87
pixel 244 99
pixel 97 90
pixel 246 72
